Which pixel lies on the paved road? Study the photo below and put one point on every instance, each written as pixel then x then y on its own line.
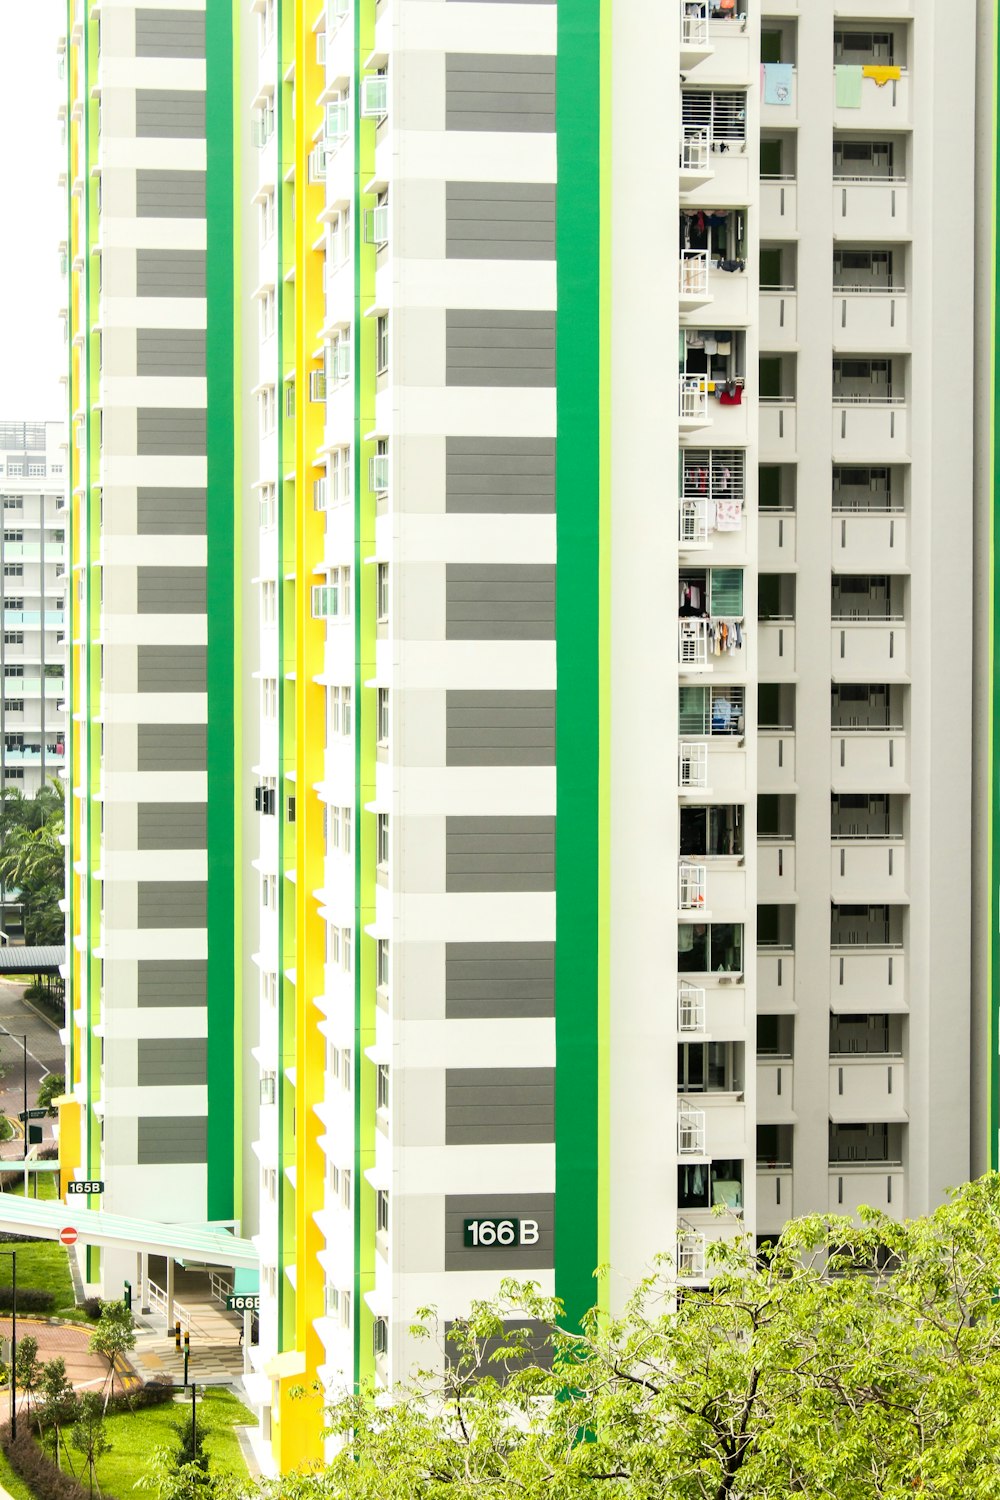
pixel 45 1055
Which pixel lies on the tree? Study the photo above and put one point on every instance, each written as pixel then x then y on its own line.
pixel 57 1405
pixel 88 1435
pixel 113 1336
pixel 843 1363
pixel 51 1086
pixel 28 1368
pixel 32 858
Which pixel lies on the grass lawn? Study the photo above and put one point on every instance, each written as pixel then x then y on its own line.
pixel 13 1483
pixel 134 1436
pixel 44 1263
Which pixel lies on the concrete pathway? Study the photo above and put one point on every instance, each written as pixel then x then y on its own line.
pixel 45 1055
pixel 86 1371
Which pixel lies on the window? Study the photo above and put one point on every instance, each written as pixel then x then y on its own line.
pixel 337 120
pixel 345 710
pixel 339 475
pixel 382 592
pixel 333 945
pixel 382 343
pixel 382 963
pixel 268 399
pixel 339 249
pixel 382 1087
pixel 15 469
pixel 710 947
pixel 13 570
pixel 262 124
pixel 266 796
pixel 345 1174
pixel 268 216
pixel 268 506
pixel 13 502
pixel 382 715
pixel 269 697
pixel 345 948
pixel 378 468
pixel 268 313
pixel 36 471
pixel 380 1337
pixel 268 1088
pixel 382 840
pixel 720 113
pixel 15 705
pixel 269 1184
pixel 13 637
pixel 13 536
pixel 269 892
pixel 265 23
pixel 382 1211
pixel 270 1279
pixel 333 600
pixel 290 398
pixel 337 361
pixel 269 601
pixel 268 988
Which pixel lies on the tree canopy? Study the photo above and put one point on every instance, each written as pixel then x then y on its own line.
pixel 33 859
pixel 842 1363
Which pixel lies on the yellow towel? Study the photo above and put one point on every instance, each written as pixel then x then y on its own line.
pixel 881 73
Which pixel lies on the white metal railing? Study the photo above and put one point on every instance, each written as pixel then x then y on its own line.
pixel 692 643
pixel 866 398
pixel 690 1254
pixel 714 473
pixel 690 1007
pixel 690 1132
pixel 692 884
pixel 860 288
pixel 693 521
pixel 221 1286
pixel 720 112
pixel 159 1300
pixel 694 150
pixel 692 764
pixel 693 273
pixel 842 729
pixel 872 179
pixel 694 23
pixel 692 398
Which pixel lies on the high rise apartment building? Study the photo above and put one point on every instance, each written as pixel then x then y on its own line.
pixel 521 784
pixel 33 561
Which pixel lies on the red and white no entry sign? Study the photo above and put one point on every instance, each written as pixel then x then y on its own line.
pixel 69 1235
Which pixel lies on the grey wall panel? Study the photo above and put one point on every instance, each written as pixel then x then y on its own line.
pixel 171 591
pixel 178 114
pixel 169 33
pixel 500 91
pixel 460 1257
pixel 507 980
pixel 171 669
pixel 500 728
pixel 171 903
pixel 172 825
pixel 500 221
pixel 533 1336
pixel 500 854
pixel 172 982
pixel 172 747
pixel 172 1060
pixel 170 351
pixel 170 273
pixel 500 602
pixel 167 429
pixel 169 195
pixel 487 476
pixel 171 512
pixel 499 1106
pixel 496 348
pixel 165 1140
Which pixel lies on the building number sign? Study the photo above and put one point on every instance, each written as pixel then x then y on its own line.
pixel 507 1232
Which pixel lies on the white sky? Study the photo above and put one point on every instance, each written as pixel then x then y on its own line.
pixel 32 352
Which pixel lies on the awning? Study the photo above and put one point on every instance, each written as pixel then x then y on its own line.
pixel 202 1243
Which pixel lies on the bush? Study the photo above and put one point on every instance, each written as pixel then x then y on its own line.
pixel 44 1478
pixel 92 1307
pixel 155 1393
pixel 29 1299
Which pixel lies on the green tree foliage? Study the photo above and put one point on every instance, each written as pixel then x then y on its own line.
pixel 113 1336
pixel 32 858
pixel 57 1404
pixel 51 1086
pixel 28 1367
pixel 845 1363
pixel 88 1434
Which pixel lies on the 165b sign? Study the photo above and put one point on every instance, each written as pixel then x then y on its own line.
pixel 506 1232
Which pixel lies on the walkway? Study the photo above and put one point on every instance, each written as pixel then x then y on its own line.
pixel 85 1370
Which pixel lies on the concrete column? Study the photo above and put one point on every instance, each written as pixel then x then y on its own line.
pixel 247 1327
pixel 170 1292
pixel 144 1282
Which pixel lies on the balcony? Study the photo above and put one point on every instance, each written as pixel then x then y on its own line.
pixel 697 643
pixel 52 619
pixel 775 870
pixel 690 1260
pixel 869 870
pixel 717 765
pixel 713 1009
pixel 784 115
pixel 691 1009
pixel 776 539
pixel 692 271
pixel 774 1197
pixel 715 1128
pixel 871 208
pixel 695 41
pixel 864 316
pixel 775 980
pixel 873 429
pixel 872 1087
pixel 776 760
pixel 868 979
pixel 775 1077
pixel 779 317
pixel 872 540
pixel 863 650
pixel 695 159
pixel 778 429
pixel 692 402
pixel 869 760
pixel 775 649
pixel 877 1185
pixel 884 106
pixel 692 887
pixel 691 1132
pixel 779 207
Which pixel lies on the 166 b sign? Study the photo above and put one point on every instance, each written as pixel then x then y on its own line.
pixel 506 1232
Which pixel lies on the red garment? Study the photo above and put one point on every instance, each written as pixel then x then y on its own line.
pixel 731 398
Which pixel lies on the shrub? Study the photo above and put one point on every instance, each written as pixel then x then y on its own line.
pixel 44 1478
pixel 29 1299
pixel 92 1307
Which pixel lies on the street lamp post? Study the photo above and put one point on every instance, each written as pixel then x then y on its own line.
pixel 16 1036
pixel 13 1342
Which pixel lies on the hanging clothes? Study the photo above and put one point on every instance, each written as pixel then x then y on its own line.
pixel 731 394
pixel 778 79
pixel 881 73
pixel 728 515
pixel 848 86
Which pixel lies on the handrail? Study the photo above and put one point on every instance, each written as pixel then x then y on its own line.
pixel 847 729
pixel 778 177
pixel 843 949
pixel 858 288
pixel 867 399
pixel 841 620
pixel 775 728
pixel 868 510
pixel 877 181
pixel 863 1056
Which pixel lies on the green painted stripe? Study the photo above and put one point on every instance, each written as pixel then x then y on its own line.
pixel 221 523
pixel 284 17
pixel 239 784
pixel 578 648
pixel 993 887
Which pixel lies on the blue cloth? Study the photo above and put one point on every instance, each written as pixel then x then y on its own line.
pixel 778 83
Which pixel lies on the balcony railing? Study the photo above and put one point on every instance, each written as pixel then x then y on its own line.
pixel 691 1001
pixel 690 1132
pixel 690 1254
pixel 693 273
pixel 693 521
pixel 692 884
pixel 699 640
pixel 694 23
pixel 692 765
pixel 692 395
pixel 695 149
